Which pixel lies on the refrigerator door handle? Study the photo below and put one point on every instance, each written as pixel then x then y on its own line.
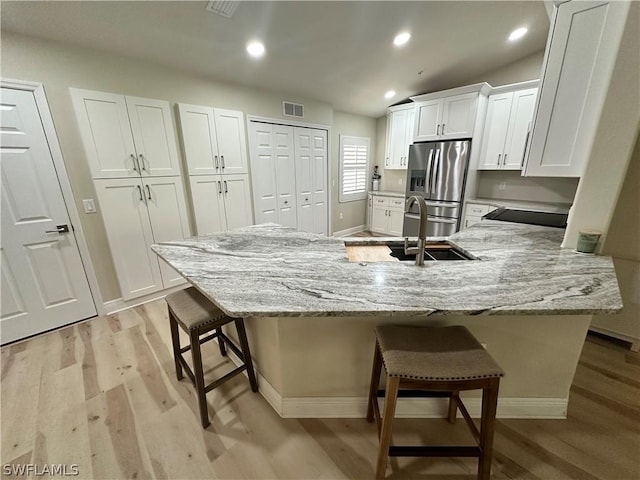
pixel 428 175
pixel 434 177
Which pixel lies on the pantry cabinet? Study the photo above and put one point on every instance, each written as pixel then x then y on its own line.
pixel 215 148
pixel 126 136
pixel 138 213
pixel 387 215
pixel 580 57
pixel 400 125
pixel 507 129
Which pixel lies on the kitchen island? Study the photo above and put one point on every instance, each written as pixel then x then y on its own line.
pixel 310 312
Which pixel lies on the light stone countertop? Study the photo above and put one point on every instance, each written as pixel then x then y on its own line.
pixel 387 193
pixel 522 205
pixel 271 270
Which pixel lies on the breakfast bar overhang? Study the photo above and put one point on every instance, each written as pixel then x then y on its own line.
pixel 310 312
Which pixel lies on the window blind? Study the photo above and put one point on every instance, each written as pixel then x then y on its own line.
pixel 354 168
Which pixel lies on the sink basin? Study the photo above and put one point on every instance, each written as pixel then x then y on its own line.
pixel 433 252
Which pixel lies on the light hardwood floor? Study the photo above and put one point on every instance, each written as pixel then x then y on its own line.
pixel 103 395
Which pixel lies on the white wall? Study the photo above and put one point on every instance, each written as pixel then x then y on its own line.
pixel 59 66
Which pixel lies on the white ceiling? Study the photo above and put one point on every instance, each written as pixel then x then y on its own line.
pixel 336 52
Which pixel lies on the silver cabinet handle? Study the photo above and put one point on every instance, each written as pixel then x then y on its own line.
pixel 59 229
pixel 142 162
pixel 216 160
pixel 504 159
pixel 438 130
pixel 222 158
pixel 499 156
pixel 219 187
pixel 226 190
pixel 134 160
pixel 140 193
pixel 526 143
pixel 443 128
pixel 148 192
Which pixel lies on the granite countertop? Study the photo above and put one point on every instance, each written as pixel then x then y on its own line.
pixel 523 205
pixel 387 193
pixel 271 270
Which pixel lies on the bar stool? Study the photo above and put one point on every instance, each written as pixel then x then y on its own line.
pixel 196 315
pixel 433 362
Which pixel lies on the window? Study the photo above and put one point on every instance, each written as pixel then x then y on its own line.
pixel 354 168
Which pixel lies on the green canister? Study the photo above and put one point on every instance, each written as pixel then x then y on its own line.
pixel 588 241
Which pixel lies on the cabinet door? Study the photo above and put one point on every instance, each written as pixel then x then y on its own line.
pixel 395 222
pixel 153 135
pixel 126 220
pixel 208 205
pixel 236 192
pixel 379 218
pixel 408 133
pixel 168 215
pixel 459 116
pixel 232 145
pixel 428 119
pixel 106 134
pixel 199 141
pixel 495 131
pixel 579 60
pixel 397 137
pixel 524 102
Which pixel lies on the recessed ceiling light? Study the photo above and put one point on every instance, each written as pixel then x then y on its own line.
pixel 390 94
pixel 401 39
pixel 255 49
pixel 518 33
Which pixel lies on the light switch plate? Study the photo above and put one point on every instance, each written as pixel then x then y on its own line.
pixel 89 205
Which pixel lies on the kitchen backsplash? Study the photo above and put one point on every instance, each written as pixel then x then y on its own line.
pixel 512 186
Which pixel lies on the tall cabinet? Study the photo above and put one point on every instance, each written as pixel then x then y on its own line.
pixel 216 155
pixel 289 173
pixel 130 146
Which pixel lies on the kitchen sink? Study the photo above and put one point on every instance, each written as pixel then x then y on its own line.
pixel 435 252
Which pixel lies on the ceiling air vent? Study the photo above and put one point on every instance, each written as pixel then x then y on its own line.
pixel 293 109
pixel 224 8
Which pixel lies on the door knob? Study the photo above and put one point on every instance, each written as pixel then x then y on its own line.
pixel 59 229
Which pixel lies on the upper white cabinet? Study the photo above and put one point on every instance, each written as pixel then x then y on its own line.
pixel 126 136
pixel 507 129
pixel 581 52
pixel 400 124
pixel 214 140
pixel 445 118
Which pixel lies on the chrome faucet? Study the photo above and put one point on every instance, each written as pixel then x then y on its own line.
pixel 422 230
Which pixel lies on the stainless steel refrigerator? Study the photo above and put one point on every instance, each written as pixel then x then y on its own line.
pixel 437 171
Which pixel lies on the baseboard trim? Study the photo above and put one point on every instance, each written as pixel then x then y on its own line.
pixel 118 304
pixel 635 342
pixel 350 231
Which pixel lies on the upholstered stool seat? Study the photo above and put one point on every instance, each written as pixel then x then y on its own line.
pixel 196 315
pixel 439 362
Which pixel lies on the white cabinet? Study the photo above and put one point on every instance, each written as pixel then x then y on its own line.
pixel 289 175
pixel 215 152
pixel 213 140
pixel 474 212
pixel 580 55
pixel 138 213
pixel 400 125
pixel 446 118
pixel 506 130
pixel 220 202
pixel 126 136
pixel 387 215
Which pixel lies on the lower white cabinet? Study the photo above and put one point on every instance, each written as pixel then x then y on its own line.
pixel 138 213
pixel 474 212
pixel 221 202
pixel 387 215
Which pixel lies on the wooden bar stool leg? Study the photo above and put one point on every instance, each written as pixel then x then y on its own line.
pixel 198 373
pixel 487 428
pixel 391 396
pixel 223 349
pixel 175 341
pixel 453 407
pixel 375 382
pixel 246 353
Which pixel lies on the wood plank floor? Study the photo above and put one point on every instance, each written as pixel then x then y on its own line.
pixel 103 395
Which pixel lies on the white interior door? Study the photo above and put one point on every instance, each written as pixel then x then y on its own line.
pixel 304 178
pixel 263 172
pixel 283 146
pixel 44 284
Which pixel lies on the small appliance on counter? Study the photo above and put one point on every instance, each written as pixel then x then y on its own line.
pixel 545 219
pixel 437 171
pixel 375 181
